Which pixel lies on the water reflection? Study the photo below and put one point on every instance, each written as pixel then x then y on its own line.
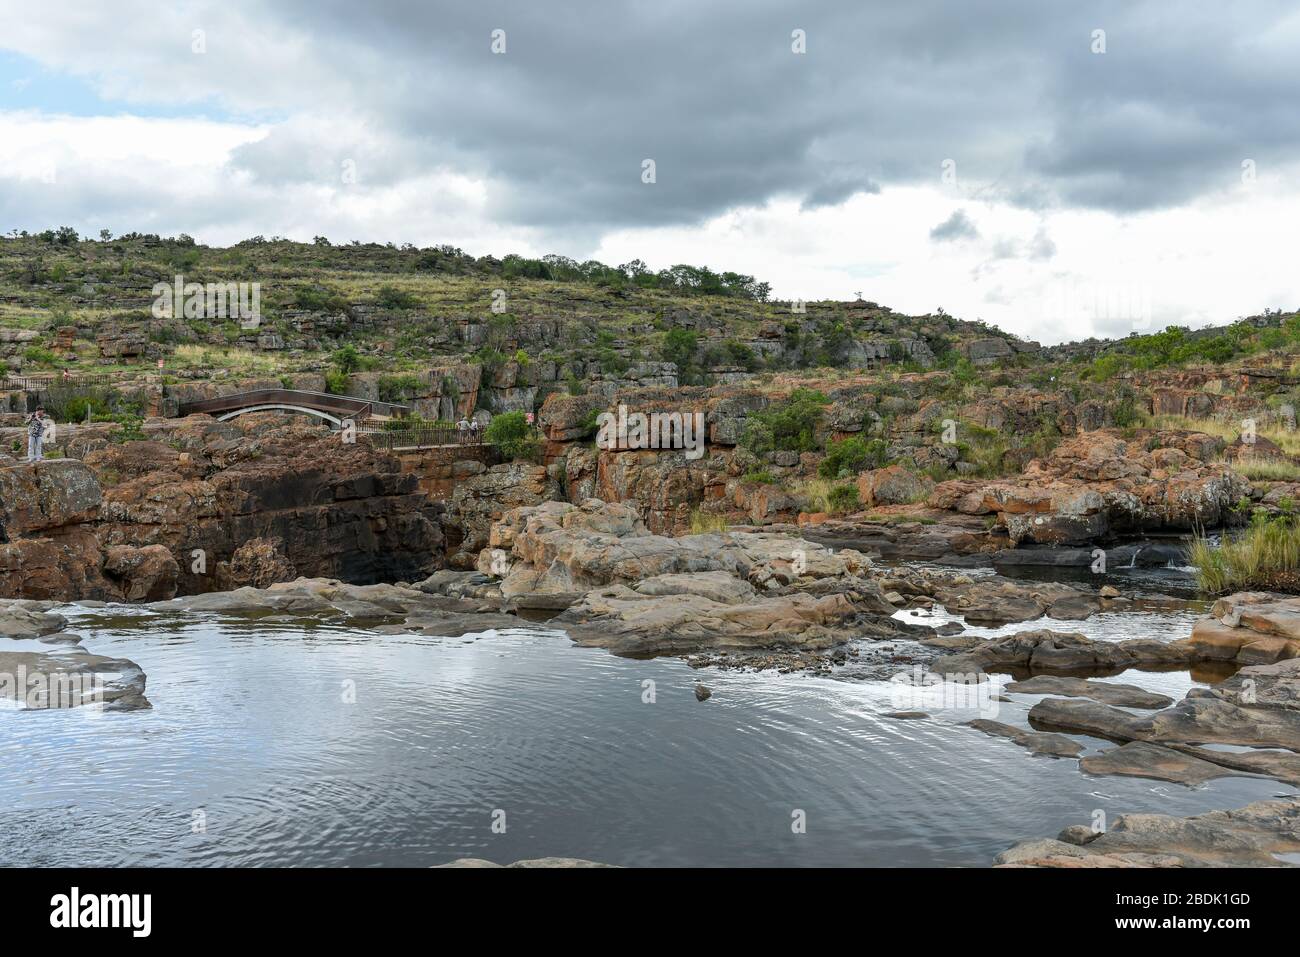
pixel 307 744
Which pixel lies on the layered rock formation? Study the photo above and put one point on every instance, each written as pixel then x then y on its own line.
pixel 559 547
pixel 1096 486
pixel 1253 836
pixel 206 505
pixel 50 546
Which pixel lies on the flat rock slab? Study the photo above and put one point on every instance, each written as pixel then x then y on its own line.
pixel 1211 720
pixel 1141 759
pixel 1263 686
pixel 1041 650
pixel 1193 721
pixel 539 862
pixel 1122 696
pixel 1251 836
pixel 38 681
pixel 1057 745
pixel 18 620
pixel 952 642
pixel 1283 765
pixel 627 622
pixel 1084 717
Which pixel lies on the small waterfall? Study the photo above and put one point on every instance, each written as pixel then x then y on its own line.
pixel 1132 562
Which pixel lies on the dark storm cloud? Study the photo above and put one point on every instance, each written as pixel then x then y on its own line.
pixel 560 125
pixel 957 226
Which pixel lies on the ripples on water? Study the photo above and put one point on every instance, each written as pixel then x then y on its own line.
pixel 251 728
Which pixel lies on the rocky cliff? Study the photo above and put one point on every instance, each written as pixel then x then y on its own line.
pixel 202 506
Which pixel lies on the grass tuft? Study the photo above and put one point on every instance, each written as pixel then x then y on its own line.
pixel 1265 555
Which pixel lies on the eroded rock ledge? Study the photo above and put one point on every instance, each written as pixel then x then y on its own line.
pixel 258 499
pixel 1257 709
pixel 66 675
pixel 1252 836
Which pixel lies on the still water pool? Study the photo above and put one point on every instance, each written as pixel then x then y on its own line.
pixel 294 743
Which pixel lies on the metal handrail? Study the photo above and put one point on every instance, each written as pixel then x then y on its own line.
pixel 356 408
pixel 427 436
pixel 39 383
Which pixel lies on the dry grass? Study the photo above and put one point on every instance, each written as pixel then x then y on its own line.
pixel 705 523
pixel 1226 429
pixel 815 492
pixel 1267 469
pixel 1265 553
pixel 238 361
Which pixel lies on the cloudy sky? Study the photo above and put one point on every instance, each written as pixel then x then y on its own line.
pixel 1059 169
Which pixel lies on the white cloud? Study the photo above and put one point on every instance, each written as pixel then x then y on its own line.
pixel 181 175
pixel 1109 274
pixel 525 154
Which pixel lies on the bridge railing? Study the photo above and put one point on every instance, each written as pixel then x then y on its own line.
pixel 34 383
pixel 422 437
pixel 341 406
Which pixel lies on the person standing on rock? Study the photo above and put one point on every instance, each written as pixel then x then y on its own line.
pixel 35 434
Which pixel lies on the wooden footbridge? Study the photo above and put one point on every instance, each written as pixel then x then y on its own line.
pixel 335 409
pixel 373 419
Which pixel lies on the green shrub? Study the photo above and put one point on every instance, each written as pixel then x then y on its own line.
pixel 590 423
pixel 511 433
pixel 39 355
pixel 390 297
pixel 336 382
pixel 786 426
pixel 853 455
pixel 318 299
pixel 762 476
pixel 396 388
pixel 965 372
pixel 1125 412
pixel 346 360
pixel 75 409
pixel 130 430
pixel 842 498
pixel 680 346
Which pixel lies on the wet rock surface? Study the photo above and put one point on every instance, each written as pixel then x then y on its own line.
pixel 66 675
pixel 539 862
pixel 1257 710
pixel 1252 836
pixel 1144 760
pixel 1059 653
pixel 1039 742
pixel 1121 695
pixel 40 681
pixel 628 622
